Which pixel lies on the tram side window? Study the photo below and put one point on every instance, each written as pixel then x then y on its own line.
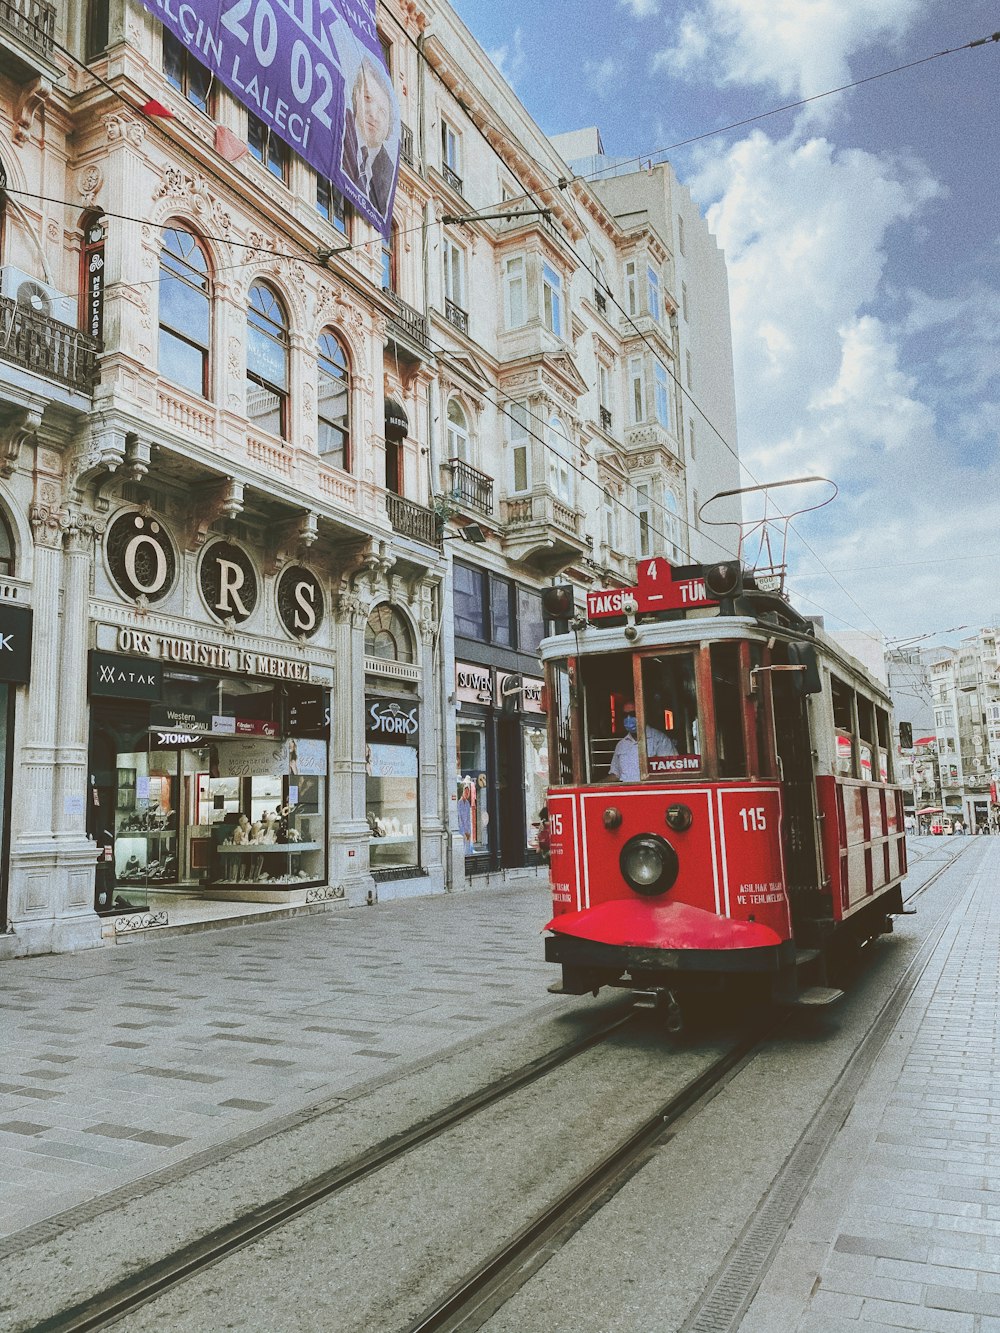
pixel 561 759
pixel 866 735
pixel 670 703
pixel 884 748
pixel 728 702
pixel 843 722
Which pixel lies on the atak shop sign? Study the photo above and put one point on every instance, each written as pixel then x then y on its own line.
pixel 15 644
pixel 314 74
pixel 140 556
pixel 117 677
pixel 391 721
pixel 659 587
pixel 192 652
pixel 473 684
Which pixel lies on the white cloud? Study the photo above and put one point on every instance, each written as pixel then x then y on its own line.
pixel 641 9
pixel 799 47
pixel 510 59
pixel 602 76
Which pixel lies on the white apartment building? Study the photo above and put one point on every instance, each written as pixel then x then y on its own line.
pixel 278 496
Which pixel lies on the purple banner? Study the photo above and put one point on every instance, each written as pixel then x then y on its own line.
pixel 314 73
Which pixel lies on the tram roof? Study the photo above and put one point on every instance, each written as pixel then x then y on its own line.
pixel 701 628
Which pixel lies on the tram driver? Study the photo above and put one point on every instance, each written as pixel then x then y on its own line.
pixel 625 760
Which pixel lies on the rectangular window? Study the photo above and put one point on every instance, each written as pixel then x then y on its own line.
pixel 642 511
pixel 267 147
pixel 687 363
pixel 514 302
pixel 684 301
pixel 637 394
pixel 653 293
pixel 604 385
pixel 454 273
pixel 530 620
pixel 661 388
pixel 332 205
pixel 451 161
pixel 691 436
pixel 611 520
pixel 185 73
pixel 470 602
pixel 552 299
pixel 520 442
pixel 680 234
pixel 631 293
pixel 501 612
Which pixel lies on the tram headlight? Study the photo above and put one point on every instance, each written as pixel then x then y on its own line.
pixel 649 864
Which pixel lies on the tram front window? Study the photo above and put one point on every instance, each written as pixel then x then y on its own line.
pixel 628 738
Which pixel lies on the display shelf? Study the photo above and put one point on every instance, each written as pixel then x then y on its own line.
pixel 389 838
pixel 125 833
pixel 236 848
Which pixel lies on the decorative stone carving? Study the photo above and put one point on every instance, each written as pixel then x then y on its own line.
pixel 222 501
pixel 124 127
pixel 47 525
pixel 33 95
pixel 91 180
pixel 19 428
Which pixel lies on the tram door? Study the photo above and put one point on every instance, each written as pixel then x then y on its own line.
pixel 791 729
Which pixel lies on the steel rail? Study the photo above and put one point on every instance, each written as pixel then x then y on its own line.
pixel 138 1289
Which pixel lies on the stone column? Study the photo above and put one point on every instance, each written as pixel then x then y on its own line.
pixel 348 822
pixel 72 735
pixel 434 843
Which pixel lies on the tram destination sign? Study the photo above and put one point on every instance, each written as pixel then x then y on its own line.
pixel 659 587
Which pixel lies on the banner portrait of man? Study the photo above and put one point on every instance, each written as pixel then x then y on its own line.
pixel 371 135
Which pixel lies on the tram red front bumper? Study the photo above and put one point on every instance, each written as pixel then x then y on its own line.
pixel 633 923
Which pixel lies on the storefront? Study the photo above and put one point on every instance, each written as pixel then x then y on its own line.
pixel 501 765
pixel 205 780
pixel 392 785
pixel 15 669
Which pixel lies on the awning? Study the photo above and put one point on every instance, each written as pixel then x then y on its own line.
pixel 397 423
pixel 931 810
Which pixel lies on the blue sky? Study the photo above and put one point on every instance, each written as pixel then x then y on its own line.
pixel 863 240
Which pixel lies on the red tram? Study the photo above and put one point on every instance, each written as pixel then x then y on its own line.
pixel 746 822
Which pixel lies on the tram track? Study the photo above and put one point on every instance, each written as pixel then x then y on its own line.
pixel 469 1302
pixel 138 1289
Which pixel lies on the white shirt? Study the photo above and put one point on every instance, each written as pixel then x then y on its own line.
pixel 625 760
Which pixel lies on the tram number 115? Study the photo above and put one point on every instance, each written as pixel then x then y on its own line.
pixel 754 818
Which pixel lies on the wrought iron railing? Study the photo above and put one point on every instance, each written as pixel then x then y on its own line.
pixel 413 520
pixel 406 145
pixel 605 419
pixel 456 315
pixel 409 322
pixel 601 301
pixel 33 21
pixel 452 177
pixel 46 346
pixel 471 487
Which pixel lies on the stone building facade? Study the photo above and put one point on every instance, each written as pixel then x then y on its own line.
pixel 278 497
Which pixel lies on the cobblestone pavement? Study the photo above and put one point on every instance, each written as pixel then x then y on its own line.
pixel 901 1229
pixel 120 1061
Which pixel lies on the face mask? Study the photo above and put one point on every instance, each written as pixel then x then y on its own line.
pixel 630 724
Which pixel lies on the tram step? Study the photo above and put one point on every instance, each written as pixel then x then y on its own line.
pixel 816 996
pixel 804 956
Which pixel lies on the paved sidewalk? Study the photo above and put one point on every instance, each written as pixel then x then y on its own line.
pixel 901 1228
pixel 120 1061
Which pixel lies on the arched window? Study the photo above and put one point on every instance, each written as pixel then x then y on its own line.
pixel 458 432
pixel 560 460
pixel 333 409
pixel 387 635
pixel 6 546
pixel 267 361
pixel 185 311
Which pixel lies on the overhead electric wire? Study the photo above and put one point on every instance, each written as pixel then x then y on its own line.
pixel 310 257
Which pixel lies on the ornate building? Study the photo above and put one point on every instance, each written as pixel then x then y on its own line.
pixel 244 660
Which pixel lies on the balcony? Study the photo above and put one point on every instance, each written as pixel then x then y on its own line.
pixel 412 520
pixel 606 420
pixel 32 24
pixel 454 314
pixel 452 177
pixel 47 347
pixel 469 487
pixel 406 145
pixel 407 328
pixel 601 301
pixel 543 532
